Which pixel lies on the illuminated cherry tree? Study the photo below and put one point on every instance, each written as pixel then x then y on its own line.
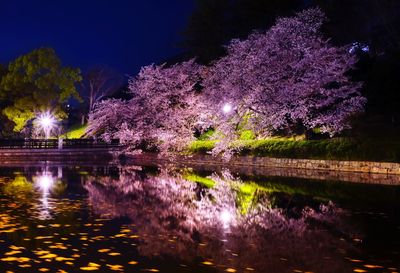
pixel 285 78
pixel 164 111
pixel 107 118
pixel 288 79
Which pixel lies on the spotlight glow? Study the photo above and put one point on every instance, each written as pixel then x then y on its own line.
pixel 226 217
pixel 46 121
pixel 227 108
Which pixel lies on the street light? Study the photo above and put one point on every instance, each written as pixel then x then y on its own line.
pixel 227 108
pixel 46 121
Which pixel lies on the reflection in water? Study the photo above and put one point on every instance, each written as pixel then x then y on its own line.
pixel 45 183
pixel 18 186
pixel 226 218
pixel 172 222
pixel 134 219
pixel 42 186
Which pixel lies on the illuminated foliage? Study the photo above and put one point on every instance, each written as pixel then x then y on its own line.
pixel 164 111
pixel 285 80
pixel 34 83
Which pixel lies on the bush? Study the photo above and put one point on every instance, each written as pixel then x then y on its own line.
pixel 247 135
pixel 207 134
pixel 376 149
pixel 201 146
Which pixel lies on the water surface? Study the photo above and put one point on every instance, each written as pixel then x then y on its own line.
pixel 170 219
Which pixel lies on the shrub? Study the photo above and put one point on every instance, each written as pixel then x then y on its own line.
pixel 377 149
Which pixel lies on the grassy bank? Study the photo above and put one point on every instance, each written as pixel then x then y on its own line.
pixel 367 149
pixel 75 132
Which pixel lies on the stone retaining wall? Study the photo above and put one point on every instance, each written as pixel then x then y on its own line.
pixel 331 165
pixel 307 164
pixel 11 156
pixel 325 175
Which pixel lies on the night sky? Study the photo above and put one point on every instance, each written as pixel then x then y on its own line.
pixel 122 34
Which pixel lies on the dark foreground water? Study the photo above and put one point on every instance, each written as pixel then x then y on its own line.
pixel 147 219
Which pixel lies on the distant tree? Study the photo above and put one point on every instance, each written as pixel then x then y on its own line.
pixel 380 72
pixel 285 79
pixel 37 82
pixel 214 23
pixel 207 31
pixel 376 26
pixel 5 124
pixel 163 112
pixel 3 71
pixel 372 22
pixel 99 83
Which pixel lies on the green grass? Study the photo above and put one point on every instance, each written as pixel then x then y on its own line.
pixel 207 134
pixel 201 146
pixel 76 131
pixel 367 149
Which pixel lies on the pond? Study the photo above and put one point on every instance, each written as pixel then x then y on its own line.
pixel 178 219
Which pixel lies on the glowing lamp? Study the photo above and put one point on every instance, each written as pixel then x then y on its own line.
pixel 227 108
pixel 46 121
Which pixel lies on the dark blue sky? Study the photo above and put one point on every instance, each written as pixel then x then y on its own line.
pixel 123 34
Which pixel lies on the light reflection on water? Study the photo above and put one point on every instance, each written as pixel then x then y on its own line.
pixel 44 182
pixel 138 219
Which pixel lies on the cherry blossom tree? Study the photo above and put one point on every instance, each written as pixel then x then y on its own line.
pixel 107 117
pixel 164 111
pixel 286 78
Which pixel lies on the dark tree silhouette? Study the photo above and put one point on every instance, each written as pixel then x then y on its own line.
pixel 100 82
pixel 214 23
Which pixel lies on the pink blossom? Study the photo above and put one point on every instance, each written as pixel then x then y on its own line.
pixel 285 78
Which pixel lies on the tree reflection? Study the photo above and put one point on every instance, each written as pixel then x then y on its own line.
pixel 172 220
pixel 19 186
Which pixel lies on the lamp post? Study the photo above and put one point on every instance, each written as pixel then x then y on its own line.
pixel 46 122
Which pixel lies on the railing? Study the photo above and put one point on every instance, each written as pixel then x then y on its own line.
pixel 56 143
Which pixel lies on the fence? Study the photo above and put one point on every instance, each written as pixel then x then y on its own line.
pixel 56 143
